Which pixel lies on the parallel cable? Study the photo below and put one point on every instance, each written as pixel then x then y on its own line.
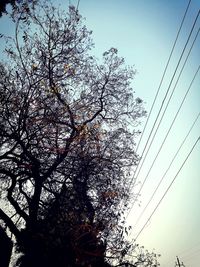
pixel 182 102
pixel 171 84
pixel 161 180
pixel 167 190
pixel 162 78
pixel 173 121
pixel 159 87
pixel 183 51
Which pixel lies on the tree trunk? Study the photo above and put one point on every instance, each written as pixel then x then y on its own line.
pixel 5 248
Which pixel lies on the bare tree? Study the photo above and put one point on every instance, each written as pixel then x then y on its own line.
pixel 67 130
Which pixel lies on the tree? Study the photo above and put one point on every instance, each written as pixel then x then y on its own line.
pixel 5 248
pixel 67 131
pixel 16 5
pixel 3 5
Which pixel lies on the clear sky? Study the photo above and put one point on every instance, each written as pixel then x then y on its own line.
pixel 144 32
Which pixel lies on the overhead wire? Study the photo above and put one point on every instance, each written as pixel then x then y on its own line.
pixel 174 157
pixel 183 51
pixel 173 121
pixel 167 190
pixel 165 70
pixel 183 100
pixel 149 136
pixel 155 98
pixel 161 107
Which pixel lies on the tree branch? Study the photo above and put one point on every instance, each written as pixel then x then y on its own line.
pixel 12 201
pixel 10 224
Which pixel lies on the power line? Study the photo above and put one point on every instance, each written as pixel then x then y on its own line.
pixel 166 95
pixel 175 117
pixel 148 139
pixel 167 188
pixel 161 180
pixel 162 119
pixel 170 86
pixel 169 99
pixel 162 78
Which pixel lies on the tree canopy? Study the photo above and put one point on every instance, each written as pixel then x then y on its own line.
pixel 16 5
pixel 67 135
pixel 3 4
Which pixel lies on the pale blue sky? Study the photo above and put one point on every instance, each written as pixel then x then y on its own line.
pixel 144 31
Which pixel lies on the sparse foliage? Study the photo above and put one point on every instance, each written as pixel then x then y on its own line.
pixel 22 6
